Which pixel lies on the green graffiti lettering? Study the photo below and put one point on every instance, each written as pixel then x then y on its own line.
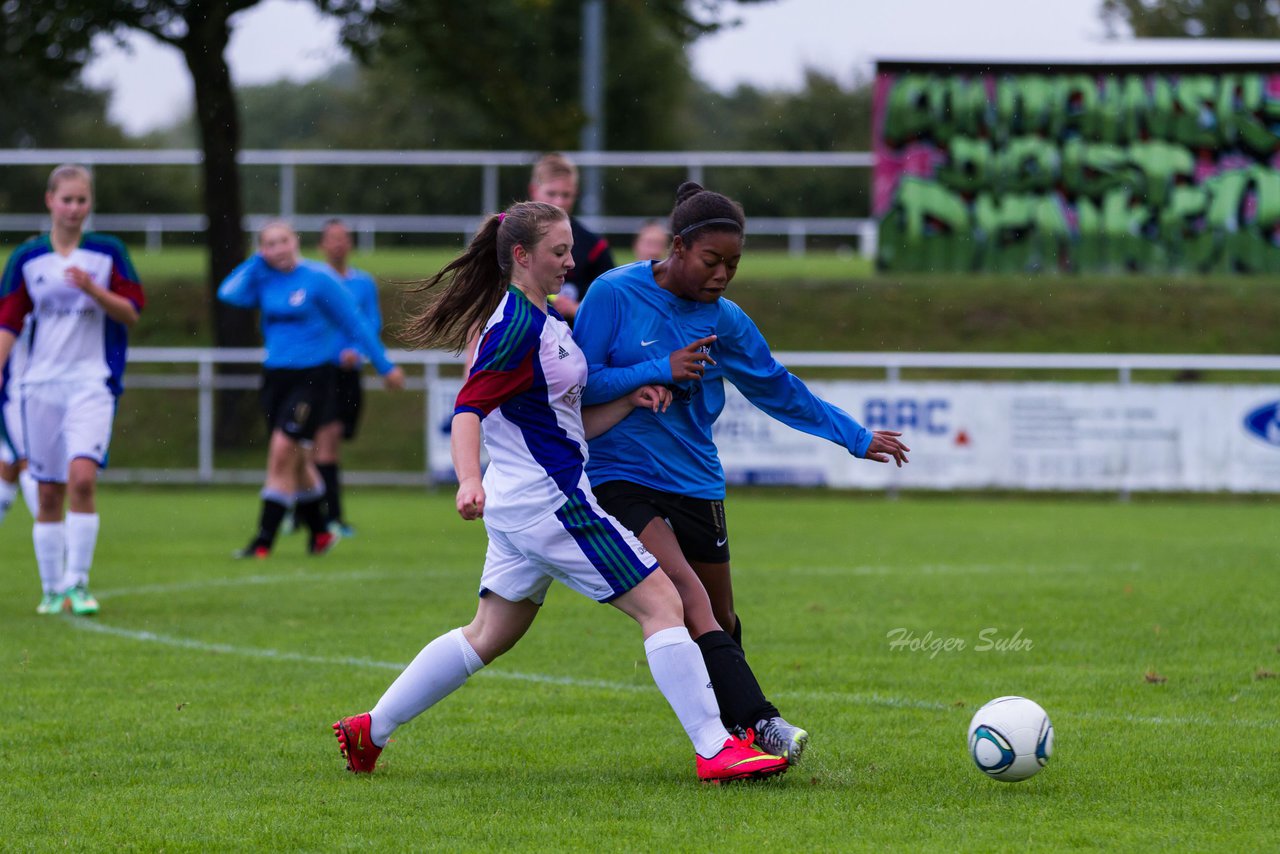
pixel 1160 164
pixel 968 168
pixel 1195 122
pixel 1090 169
pixel 1023 105
pixel 1083 172
pixel 907 112
pixel 1028 164
pixel 1074 106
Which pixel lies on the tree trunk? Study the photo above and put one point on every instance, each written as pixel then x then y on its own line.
pixel 204 48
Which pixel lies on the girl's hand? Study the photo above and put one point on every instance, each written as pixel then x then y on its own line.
pixel 655 398
pixel 470 501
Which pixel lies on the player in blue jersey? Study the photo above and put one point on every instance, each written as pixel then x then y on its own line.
pixel 335 245
pixel 306 316
pixel 667 322
pixel 522 399
pixel 555 181
pixel 81 294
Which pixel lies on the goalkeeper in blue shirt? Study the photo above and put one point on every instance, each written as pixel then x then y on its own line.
pixel 666 323
pixel 306 316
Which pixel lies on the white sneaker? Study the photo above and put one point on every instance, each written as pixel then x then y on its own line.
pixel 776 736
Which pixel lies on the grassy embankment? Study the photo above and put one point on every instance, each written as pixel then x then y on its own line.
pixel 820 302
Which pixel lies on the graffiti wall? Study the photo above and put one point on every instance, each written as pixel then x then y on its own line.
pixel 1102 170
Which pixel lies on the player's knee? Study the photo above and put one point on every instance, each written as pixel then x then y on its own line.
pixel 662 600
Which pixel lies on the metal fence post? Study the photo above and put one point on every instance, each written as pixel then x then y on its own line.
pixel 205 418
pixel 288 190
pixel 430 378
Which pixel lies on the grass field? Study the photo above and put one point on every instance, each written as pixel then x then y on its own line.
pixel 193 713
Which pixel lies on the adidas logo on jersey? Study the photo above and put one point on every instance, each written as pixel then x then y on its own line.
pixel 564 354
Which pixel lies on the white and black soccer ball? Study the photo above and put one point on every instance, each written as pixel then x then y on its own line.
pixel 1010 739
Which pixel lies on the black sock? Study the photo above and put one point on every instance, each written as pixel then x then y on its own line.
pixel 269 522
pixel 737 631
pixel 332 490
pixel 311 513
pixel 741 700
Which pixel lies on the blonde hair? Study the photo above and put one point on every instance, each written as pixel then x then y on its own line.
pixel 67 172
pixel 276 223
pixel 552 166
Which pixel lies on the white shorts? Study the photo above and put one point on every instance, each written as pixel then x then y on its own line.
pixel 64 421
pixel 580 545
pixel 11 444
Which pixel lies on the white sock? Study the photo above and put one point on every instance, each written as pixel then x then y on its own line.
pixel 82 538
pixel 677 667
pixel 50 543
pixel 438 671
pixel 8 492
pixel 30 491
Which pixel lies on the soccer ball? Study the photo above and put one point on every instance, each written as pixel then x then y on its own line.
pixel 1010 739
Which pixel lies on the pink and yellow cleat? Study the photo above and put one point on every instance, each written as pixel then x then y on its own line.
pixel 738 760
pixel 356 743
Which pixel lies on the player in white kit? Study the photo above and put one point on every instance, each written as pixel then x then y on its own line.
pixel 80 293
pixel 14 477
pixel 525 386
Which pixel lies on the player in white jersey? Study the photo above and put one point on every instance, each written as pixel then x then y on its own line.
pixel 14 477
pixel 79 293
pixel 543 522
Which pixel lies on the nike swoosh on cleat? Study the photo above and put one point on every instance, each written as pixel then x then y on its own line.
pixel 761 758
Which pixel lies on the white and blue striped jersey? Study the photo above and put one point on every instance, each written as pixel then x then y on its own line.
pixel 526 385
pixel 72 338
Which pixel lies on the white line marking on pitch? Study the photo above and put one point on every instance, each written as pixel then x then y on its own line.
pixel 837 697
pixel 98 627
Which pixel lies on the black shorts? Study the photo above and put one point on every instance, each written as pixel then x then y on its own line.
pixel 698 523
pixel 297 402
pixel 349 398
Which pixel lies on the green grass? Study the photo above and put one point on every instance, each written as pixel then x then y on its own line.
pixel 193 713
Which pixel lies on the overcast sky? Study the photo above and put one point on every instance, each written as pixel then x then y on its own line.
pixel 289 39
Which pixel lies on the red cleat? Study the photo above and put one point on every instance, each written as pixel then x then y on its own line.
pixel 738 760
pixel 254 551
pixel 356 744
pixel 323 542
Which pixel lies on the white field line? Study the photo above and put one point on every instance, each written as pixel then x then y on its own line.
pixel 96 626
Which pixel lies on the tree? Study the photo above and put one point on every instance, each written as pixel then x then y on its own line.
pixel 1218 19
pixel 52 41
pixel 516 63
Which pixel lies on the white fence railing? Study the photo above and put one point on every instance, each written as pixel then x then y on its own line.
pixel 425 377
pixel 368 226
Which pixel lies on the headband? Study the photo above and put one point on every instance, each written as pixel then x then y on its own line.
pixel 723 220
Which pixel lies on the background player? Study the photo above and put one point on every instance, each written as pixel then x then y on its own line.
pixel 555 181
pixel 542 520
pixel 14 477
pixel 651 242
pixel 306 314
pixel 82 291
pixel 335 245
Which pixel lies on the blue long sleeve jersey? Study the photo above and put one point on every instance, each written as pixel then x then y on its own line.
pixel 306 314
pixel 627 327
pixel 364 290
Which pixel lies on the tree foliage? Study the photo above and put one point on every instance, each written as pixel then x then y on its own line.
pixel 1218 19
